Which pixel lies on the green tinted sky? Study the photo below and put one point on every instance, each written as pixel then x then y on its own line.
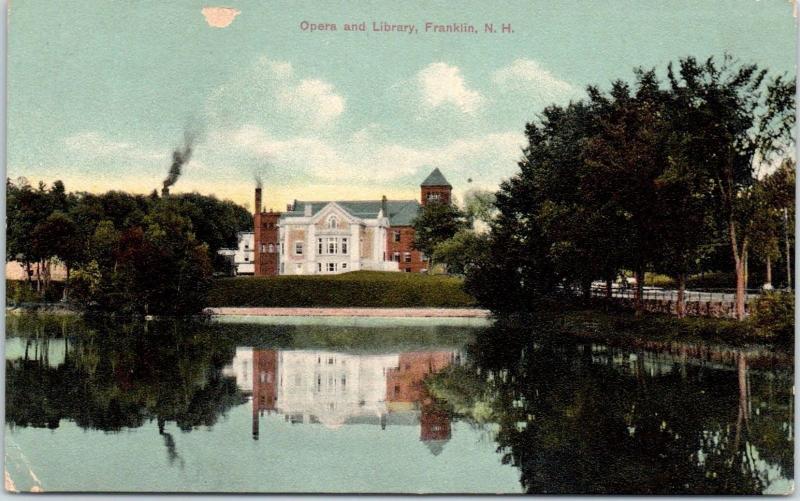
pixel 101 91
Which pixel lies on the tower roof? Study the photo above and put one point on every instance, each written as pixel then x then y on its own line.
pixel 436 178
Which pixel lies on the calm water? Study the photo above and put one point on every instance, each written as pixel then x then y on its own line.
pixel 376 407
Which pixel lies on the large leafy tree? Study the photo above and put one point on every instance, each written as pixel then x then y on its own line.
pixel 462 252
pixel 178 265
pixel 735 120
pixel 625 160
pixel 774 199
pixel 435 223
pixel 58 236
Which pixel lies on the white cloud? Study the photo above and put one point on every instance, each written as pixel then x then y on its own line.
pixel 441 84
pixel 96 145
pixel 315 99
pixel 528 76
pixel 486 158
pixel 271 92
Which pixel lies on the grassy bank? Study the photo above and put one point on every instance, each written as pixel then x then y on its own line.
pixel 20 292
pixel 357 289
pixel 623 325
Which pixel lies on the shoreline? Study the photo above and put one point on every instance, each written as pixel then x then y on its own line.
pixel 350 312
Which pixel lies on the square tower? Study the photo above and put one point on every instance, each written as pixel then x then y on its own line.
pixel 435 188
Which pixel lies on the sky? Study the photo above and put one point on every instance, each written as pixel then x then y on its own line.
pixel 100 92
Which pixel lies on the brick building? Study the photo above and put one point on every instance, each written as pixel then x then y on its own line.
pixel 265 385
pixel 329 237
pixel 266 247
pixel 406 383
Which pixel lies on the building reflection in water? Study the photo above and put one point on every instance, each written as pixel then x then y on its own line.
pixel 336 389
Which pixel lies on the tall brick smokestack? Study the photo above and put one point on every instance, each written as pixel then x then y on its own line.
pixel 258 195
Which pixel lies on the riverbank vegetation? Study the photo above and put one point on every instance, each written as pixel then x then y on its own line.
pixel 122 253
pixel 676 175
pixel 771 322
pixel 353 289
pixel 559 408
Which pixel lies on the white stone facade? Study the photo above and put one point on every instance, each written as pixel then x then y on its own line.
pixel 331 241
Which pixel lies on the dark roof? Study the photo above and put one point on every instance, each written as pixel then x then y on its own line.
pixel 401 212
pixel 436 178
pixel 435 446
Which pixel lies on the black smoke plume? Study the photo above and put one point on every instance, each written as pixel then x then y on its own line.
pixel 180 157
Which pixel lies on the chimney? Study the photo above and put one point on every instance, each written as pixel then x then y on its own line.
pixel 307 210
pixel 165 192
pixel 258 200
pixel 289 208
pixel 384 206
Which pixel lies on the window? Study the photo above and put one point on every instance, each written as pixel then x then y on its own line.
pixel 344 266
pixel 246 246
pixel 247 258
pixel 298 248
pixel 332 266
pixel 396 257
pixel 282 252
pixel 330 361
pixel 344 246
pixel 408 270
pixel 407 257
pixel 433 197
pixel 282 269
pixel 397 235
pixel 319 266
pixel 263 248
pixel 333 222
pixel 333 245
pixel 319 246
pixel 271 249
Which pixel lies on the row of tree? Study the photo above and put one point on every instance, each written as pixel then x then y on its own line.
pixel 122 252
pixel 654 176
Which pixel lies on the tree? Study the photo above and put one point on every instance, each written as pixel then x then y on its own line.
pixel 178 265
pixel 435 223
pixel 735 119
pixel 479 208
pixel 58 236
pixel 626 158
pixel 777 194
pixel 461 252
pixel 26 208
pixel 215 222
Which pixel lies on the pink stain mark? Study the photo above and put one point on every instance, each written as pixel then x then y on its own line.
pixel 219 17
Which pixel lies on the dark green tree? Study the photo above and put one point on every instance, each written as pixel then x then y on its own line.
pixel 435 223
pixel 58 236
pixel 735 119
pixel 462 252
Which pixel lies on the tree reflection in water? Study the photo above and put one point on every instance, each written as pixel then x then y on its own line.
pixel 582 418
pixel 574 417
pixel 114 376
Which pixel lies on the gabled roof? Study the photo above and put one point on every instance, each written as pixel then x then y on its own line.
pixel 436 178
pixel 401 212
